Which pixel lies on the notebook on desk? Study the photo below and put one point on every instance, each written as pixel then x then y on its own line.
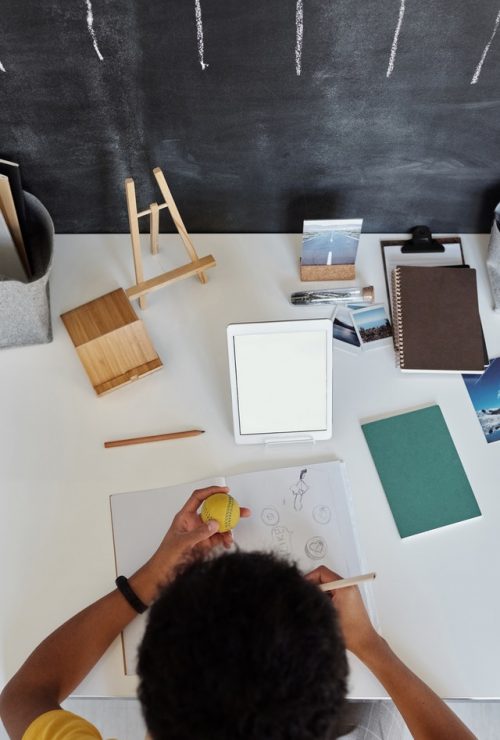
pixel 437 326
pixel 420 471
pixel 393 256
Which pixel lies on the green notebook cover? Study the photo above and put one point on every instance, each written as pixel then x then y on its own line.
pixel 420 471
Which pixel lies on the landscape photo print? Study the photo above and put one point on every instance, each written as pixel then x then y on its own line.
pixel 372 326
pixel 484 392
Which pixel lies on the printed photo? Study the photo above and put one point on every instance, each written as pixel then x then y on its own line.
pixel 344 332
pixel 484 392
pixel 331 242
pixel 373 326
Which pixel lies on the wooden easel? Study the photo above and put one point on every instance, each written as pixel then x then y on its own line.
pixel 197 266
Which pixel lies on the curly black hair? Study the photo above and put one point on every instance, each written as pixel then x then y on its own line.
pixel 242 647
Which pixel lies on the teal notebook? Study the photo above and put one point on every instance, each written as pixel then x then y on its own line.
pixel 420 471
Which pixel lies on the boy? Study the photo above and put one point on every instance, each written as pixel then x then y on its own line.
pixel 239 647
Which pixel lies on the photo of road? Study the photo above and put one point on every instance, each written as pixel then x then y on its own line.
pixel 330 242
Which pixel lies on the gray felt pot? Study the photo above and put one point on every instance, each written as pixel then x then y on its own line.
pixel 493 260
pixel 25 307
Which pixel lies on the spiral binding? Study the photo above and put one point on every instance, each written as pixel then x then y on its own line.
pixel 398 328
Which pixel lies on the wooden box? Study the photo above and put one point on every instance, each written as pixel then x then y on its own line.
pixel 111 341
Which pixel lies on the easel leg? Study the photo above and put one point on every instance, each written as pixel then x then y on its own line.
pixel 134 234
pixel 154 227
pixel 176 217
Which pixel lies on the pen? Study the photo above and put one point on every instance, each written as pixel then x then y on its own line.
pixel 353 294
pixel 346 582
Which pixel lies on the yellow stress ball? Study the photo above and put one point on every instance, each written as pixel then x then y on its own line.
pixel 223 508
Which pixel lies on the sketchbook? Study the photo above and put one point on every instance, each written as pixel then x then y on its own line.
pixel 303 513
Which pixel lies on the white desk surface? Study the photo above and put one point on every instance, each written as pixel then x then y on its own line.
pixel 437 594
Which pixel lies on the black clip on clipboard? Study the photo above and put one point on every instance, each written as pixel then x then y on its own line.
pixel 421 241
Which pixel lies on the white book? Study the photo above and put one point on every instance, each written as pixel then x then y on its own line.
pixel 303 513
pixel 11 266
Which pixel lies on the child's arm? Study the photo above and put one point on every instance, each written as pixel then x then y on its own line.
pixel 426 715
pixel 64 658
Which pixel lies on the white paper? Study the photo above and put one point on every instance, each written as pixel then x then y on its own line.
pixel 302 512
pixel 292 507
pixel 140 521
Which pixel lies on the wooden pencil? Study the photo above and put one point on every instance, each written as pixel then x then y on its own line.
pixel 153 438
pixel 346 582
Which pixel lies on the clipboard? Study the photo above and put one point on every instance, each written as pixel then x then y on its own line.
pixel 421 250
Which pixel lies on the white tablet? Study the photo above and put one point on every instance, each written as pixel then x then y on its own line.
pixel 281 380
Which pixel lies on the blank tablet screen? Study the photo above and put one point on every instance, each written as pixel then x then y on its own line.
pixel 281 382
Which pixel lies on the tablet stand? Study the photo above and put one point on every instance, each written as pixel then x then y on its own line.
pixel 304 439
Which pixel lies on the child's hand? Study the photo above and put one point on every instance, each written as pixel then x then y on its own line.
pixel 359 635
pixel 187 532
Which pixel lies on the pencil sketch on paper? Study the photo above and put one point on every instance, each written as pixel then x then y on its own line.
pixel 395 40
pixel 199 33
pixel 282 540
pixel 299 35
pixel 316 548
pixel 322 514
pixel 270 516
pixel 90 26
pixel 486 49
pixel 298 490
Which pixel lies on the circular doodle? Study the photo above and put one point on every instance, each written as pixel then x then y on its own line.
pixel 316 548
pixel 322 514
pixel 270 516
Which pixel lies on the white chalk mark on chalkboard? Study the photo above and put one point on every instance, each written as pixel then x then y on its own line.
pixel 199 33
pixel 394 47
pixel 299 35
pixel 2 68
pixel 90 24
pixel 476 74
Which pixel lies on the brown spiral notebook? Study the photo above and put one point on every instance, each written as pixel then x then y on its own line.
pixel 437 327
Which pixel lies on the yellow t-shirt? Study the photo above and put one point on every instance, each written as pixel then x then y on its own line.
pixel 61 725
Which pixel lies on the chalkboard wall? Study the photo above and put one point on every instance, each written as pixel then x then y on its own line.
pixel 260 113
